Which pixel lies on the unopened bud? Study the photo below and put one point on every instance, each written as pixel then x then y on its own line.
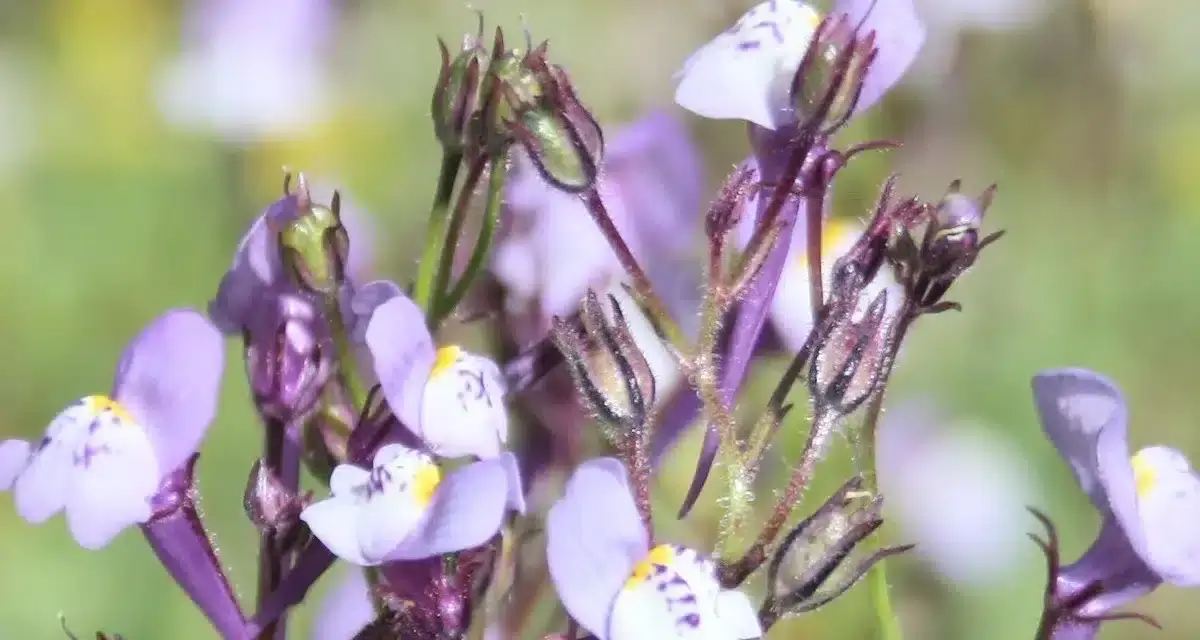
pixel 270 506
pixel 612 374
pixel 817 562
pixel 456 97
pixel 827 85
pixel 285 359
pixel 852 355
pixel 314 245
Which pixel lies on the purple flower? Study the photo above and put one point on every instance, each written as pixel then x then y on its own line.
pixel 1150 502
pixel 746 72
pixel 615 585
pixel 346 609
pixel 257 274
pixel 402 508
pixel 955 490
pixel 451 399
pixel 251 70
pixel 552 252
pixel 102 459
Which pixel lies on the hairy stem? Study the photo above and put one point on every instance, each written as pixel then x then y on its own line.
pixel 483 243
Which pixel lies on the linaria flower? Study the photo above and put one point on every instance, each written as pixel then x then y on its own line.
pixel 102 459
pixel 257 274
pixel 346 609
pixel 954 489
pixel 617 585
pixel 552 252
pixel 402 508
pixel 250 70
pixel 450 398
pixel 791 312
pixel 746 72
pixel 1149 503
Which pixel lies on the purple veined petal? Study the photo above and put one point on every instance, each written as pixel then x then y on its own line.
pixel 745 73
pixel 169 379
pixel 14 456
pixel 737 616
pixel 899 35
pixel 463 411
pixel 1077 408
pixel 403 354
pixel 256 268
pixel 42 487
pixel 1168 493
pixel 362 304
pixel 111 485
pixel 468 508
pixel 346 609
pixel 594 537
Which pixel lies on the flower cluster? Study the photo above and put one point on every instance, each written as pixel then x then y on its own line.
pixel 438 463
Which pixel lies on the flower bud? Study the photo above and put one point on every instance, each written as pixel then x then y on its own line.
pixel 314 245
pixel 611 372
pixel 437 597
pixel 827 84
pixel 851 356
pixel 456 97
pixel 270 506
pixel 286 362
pixel 813 564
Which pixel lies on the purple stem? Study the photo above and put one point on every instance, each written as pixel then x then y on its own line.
pixel 281 456
pixel 778 156
pixel 178 537
pixel 313 562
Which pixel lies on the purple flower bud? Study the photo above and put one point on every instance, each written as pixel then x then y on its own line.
pixel 287 357
pixel 851 354
pixel 456 97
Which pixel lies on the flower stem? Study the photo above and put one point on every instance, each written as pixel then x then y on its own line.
pixel 436 232
pixel 483 243
pixel 347 370
pixel 281 457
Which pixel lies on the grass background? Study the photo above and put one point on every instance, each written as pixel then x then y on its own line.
pixel 1089 119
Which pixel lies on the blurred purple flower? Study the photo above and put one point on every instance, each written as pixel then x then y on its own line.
pixel 615 585
pixel 102 459
pixel 551 252
pixel 257 277
pixel 450 398
pixel 346 609
pixel 251 71
pixel 746 72
pixel 955 490
pixel 402 509
pixel 1150 503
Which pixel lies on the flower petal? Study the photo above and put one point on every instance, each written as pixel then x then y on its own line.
pixel 366 299
pixel 899 35
pixel 1077 406
pixel 1169 506
pixel 112 485
pixel 41 488
pixel 594 537
pixel 403 353
pixel 346 609
pixel 737 616
pixel 334 521
pixel 462 412
pixel 746 72
pixel 467 510
pixel 14 456
pixel 169 378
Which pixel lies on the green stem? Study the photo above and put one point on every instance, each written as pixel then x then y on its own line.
pixel 435 234
pixel 483 243
pixel 347 364
pixel 453 232
pixel 881 601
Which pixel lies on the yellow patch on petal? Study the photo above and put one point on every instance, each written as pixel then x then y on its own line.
pixel 834 234
pixel 105 404
pixel 1145 476
pixel 425 482
pixel 662 555
pixel 446 357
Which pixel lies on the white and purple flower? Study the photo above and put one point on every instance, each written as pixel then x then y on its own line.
pixel 746 72
pixel 102 459
pixel 619 586
pixel 1149 502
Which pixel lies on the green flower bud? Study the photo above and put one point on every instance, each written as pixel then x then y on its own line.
pixel 314 245
pixel 457 95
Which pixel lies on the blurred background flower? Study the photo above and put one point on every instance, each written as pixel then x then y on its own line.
pixel 117 205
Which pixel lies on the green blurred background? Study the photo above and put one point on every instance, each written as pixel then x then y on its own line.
pixel 1086 113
